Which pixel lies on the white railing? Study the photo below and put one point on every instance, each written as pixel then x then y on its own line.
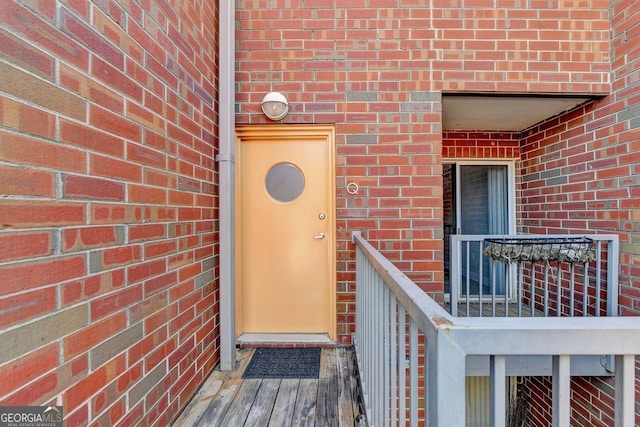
pixel 532 289
pixel 413 356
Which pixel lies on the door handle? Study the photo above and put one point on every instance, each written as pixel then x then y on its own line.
pixel 319 236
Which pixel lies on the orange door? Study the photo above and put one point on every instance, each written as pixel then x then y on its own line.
pixel 285 223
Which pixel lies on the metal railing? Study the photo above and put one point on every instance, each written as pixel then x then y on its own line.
pixel 414 356
pixel 481 286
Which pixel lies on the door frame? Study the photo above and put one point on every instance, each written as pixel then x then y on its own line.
pixel 511 199
pixel 246 133
pixel 511 188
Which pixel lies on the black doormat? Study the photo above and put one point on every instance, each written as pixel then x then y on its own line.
pixel 278 362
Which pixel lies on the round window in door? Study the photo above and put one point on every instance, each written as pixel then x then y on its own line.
pixel 284 182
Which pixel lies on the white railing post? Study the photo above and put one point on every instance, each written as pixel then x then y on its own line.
pixel 445 378
pixel 361 336
pixel 378 351
pixel 393 365
pixel 598 277
pixel 454 278
pixel 385 359
pixel 613 253
pixel 402 365
pixel 498 375
pixel 561 409
pixel 625 391
pixel 480 285
pixel 413 374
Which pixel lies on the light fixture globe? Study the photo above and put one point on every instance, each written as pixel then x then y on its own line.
pixel 275 106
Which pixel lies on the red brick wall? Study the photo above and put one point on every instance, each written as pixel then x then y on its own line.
pixel 317 51
pixel 376 69
pixel 581 173
pixel 108 256
pixel 471 145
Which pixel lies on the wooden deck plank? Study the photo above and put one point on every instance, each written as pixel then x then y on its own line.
pixel 356 393
pixel 345 401
pixel 198 406
pixel 231 381
pixel 327 406
pixel 487 309
pixel 285 403
pixel 218 407
pixel 304 413
pixel 263 405
pixel 241 405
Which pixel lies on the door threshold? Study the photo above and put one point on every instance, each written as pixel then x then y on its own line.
pixel 249 340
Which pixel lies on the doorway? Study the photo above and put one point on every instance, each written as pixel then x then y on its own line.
pixel 478 199
pixel 285 230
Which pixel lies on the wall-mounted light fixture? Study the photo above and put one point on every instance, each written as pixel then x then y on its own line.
pixel 275 106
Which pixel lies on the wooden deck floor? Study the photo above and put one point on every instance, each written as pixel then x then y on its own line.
pixel 500 310
pixel 228 400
